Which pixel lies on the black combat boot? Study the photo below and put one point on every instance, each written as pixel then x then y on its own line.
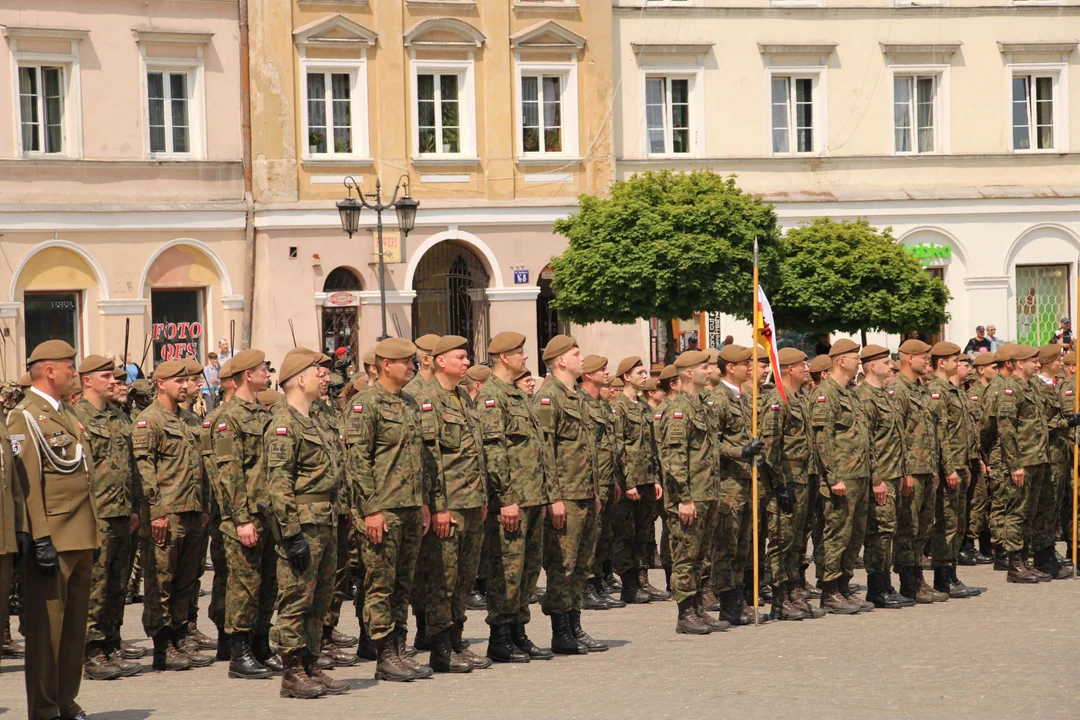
pixel 443 658
pixel 1001 559
pixel 879 592
pixel 563 641
pixel 525 645
pixel 730 608
pixel 601 591
pixel 986 548
pixel 365 648
pixel 943 583
pixel 971 590
pixel 501 648
pixel 631 593
pixel 224 645
pixel 890 591
pixel 574 616
pixel 477 599
pixel 422 642
pixel 242 663
pixel 966 556
pixel 166 656
pixel 590 599
pixel 260 648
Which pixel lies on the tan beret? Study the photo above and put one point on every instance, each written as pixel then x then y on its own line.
pixel 395 349
pixel 170 369
pixel 820 363
pixel 627 364
pixel 268 398
pixel 617 383
pixel 593 363
pixel 1023 352
pixel 295 364
pixel 120 374
pixel 368 358
pixel 843 346
pixel 1069 358
pixel 52 350
pixel 95 363
pixel 478 373
pixel 691 358
pixel 651 384
pixel 248 360
pixel 225 371
pixel 506 342
pixel 447 343
pixel 559 345
pixel 1047 353
pixel 873 352
pixel 426 343
pixel 944 349
pixel 668 372
pixel 986 358
pixel 914 347
pixel 714 356
pixel 1005 352
pixel 735 353
pixel 524 374
pixel 303 350
pixel 894 365
pixel 24 381
pixel 193 366
pixel 790 356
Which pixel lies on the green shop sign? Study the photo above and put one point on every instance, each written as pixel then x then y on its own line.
pixel 931 253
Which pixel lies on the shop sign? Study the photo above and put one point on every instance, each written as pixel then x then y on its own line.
pixel 391 243
pixel 342 298
pixel 713 327
pixel 931 253
pixel 176 341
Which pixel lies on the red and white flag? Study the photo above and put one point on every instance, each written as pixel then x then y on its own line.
pixel 765 330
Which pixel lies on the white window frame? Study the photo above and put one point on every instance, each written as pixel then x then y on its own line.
pixel 568 94
pixel 196 103
pixel 187 72
pixel 696 96
pixel 942 110
pixel 820 111
pixel 358 95
pixel 1059 73
pixel 71 142
pixel 465 71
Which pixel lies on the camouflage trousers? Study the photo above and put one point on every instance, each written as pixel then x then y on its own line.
pixel 304 597
pixel 634 527
pixel 514 563
pixel 665 536
pixel 1061 472
pixel 193 608
pixel 690 546
pixel 107 581
pixel 845 527
pixel 450 566
pixel 1018 506
pixel 252 588
pixel 568 551
pixel 914 521
pixel 605 532
pixel 733 536
pixel 978 502
pixel 390 568
pixel 1044 515
pixel 881 529
pixel 784 553
pixel 813 529
pixel 171 573
pixel 1065 511
pixel 216 609
pixel 343 537
pixel 950 520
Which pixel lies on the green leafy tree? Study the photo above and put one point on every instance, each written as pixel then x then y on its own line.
pixel 849 277
pixel 664 245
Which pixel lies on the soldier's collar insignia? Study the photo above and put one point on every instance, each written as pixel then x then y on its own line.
pixel 282 431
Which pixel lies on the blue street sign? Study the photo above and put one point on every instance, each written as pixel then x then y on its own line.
pixel 521 277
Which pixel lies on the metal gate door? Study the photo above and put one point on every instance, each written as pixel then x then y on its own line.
pixel 451 297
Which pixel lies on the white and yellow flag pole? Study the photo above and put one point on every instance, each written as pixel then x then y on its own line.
pixel 1076 448
pixel 754 431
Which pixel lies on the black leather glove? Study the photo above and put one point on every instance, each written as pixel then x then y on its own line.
pixel 785 498
pixel 1074 420
pixel 45 557
pixel 298 551
pixel 752 448
pixel 22 547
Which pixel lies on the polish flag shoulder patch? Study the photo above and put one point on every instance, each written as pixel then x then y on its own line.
pixel 657 416
pixel 282 431
pixel 221 426
pixel 774 407
pixel 358 408
pixel 974 398
pixel 821 398
pixel 140 424
pixel 206 425
pixel 677 415
pixel 1008 391
pixel 1068 393
pixel 935 396
pixel 545 401
pixel 426 407
pixel 489 403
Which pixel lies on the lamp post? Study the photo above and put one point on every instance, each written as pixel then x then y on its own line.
pixel 349 210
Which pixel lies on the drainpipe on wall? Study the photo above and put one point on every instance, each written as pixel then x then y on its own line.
pixel 249 201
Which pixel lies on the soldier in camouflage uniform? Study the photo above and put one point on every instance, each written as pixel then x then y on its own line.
pixel 887 470
pixel 114 482
pixel 978 500
pixel 1067 395
pixel 571 523
pixel 302 479
pixel 170 467
pixel 842 446
pixel 391 494
pixel 518 490
pixel 990 447
pixel 450 553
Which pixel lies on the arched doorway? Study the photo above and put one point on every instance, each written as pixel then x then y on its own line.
pixel 451 296
pixel 340 312
pixel 180 281
pixel 548 324
pixel 57 283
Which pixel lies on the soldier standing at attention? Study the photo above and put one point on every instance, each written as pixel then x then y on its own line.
pixel 1052 495
pixel 302 479
pixel 391 494
pixel 475 377
pixel 571 523
pixel 249 545
pixel 517 493
pixel 114 477
pixel 1066 392
pixel 979 493
pixel 842 444
pixel 14 538
pixel 170 468
pixel 450 553
pixel 991 448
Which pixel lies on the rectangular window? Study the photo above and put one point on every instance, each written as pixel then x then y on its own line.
pixel 1042 299
pixel 41 109
pixel 438 113
pixel 914 115
pixel 177 329
pixel 51 315
pixel 541 114
pixel 330 113
pixel 168 112
pixel 1033 112
pixel 792 107
pixel 667 114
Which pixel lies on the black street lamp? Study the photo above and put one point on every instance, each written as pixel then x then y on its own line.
pixel 349 209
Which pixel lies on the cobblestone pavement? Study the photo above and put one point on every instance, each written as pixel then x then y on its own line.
pixel 1012 653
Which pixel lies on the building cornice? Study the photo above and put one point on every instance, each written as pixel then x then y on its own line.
pixel 44 33
pixel 884 12
pixel 157 35
pixel 689 48
pixel 777 48
pixel 1064 47
pixel 940 48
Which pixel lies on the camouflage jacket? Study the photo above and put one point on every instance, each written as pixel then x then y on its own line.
pixel 988 425
pixel 635 451
pixel 887 453
pixel 912 403
pixel 603 417
pixel 207 444
pixel 1057 420
pixel 731 419
pixel 1021 424
pixel 301 468
pixel 115 473
pixel 570 440
pixel 953 425
pixel 514 444
pixel 383 452
pixel 1066 392
pixel 973 403
pixel 453 448
pixel 841 437
pixel 686 450
pixel 241 469
pixel 785 429
pixel 170 462
pixel 414 386
pixel 331 423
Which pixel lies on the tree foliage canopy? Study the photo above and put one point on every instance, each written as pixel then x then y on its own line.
pixel 847 277
pixel 664 245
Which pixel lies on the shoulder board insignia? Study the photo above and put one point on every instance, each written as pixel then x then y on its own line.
pixel 1008 391
pixel 489 403
pixel 141 424
pixel 677 415
pixel 891 392
pixel 821 398
pixel 935 396
pixel 774 406
pixel 206 424
pixel 1068 393
pixel 221 426
pixel 282 431
pixel 974 398
pixel 545 401
pixel 657 416
pixel 426 407
pixel 358 408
